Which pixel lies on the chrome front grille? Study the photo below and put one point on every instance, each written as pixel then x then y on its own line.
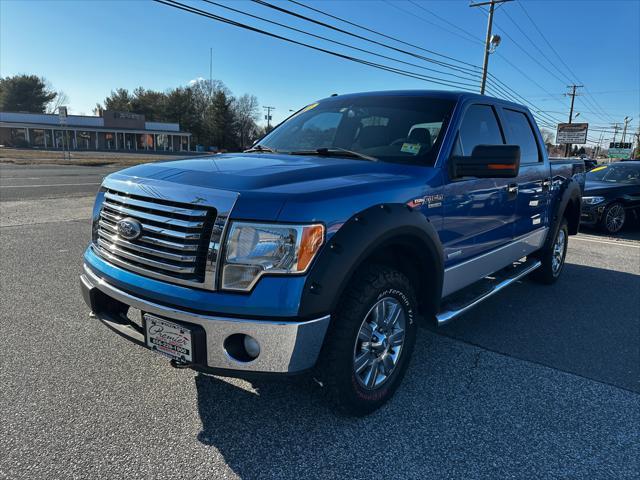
pixel 172 246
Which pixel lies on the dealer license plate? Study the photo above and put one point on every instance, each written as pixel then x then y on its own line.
pixel 169 338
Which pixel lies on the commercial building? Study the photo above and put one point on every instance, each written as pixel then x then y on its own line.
pixel 110 131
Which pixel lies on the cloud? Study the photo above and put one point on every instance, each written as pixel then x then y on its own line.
pixel 195 81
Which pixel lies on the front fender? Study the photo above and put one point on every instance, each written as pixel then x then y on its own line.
pixel 568 197
pixel 358 239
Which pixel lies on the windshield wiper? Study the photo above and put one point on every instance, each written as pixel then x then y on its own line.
pixel 261 149
pixel 335 152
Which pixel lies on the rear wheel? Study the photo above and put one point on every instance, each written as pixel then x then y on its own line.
pixel 613 218
pixel 552 256
pixel 370 342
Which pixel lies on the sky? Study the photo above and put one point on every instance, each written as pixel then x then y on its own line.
pixel 89 48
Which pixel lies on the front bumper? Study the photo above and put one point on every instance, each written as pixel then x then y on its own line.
pixel 285 347
pixel 591 215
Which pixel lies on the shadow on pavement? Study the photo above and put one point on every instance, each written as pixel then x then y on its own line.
pixel 588 323
pixel 462 412
pixel 630 231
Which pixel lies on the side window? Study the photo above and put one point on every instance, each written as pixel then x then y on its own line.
pixel 519 132
pixel 479 127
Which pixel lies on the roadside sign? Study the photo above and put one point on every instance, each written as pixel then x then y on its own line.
pixel 572 133
pixel 619 144
pixel 620 150
pixel 62 115
pixel 624 153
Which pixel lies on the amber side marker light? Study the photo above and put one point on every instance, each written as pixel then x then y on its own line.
pixel 311 241
pixel 500 166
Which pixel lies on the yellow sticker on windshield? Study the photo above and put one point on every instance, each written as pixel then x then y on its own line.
pixel 309 107
pixel 413 148
pixel 599 168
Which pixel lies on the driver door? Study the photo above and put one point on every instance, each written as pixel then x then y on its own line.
pixel 479 213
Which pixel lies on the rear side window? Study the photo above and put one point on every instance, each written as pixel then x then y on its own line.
pixel 519 132
pixel 479 127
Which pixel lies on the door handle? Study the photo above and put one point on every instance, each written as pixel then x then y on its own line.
pixel 512 188
pixel 546 184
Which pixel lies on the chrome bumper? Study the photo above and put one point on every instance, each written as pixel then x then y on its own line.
pixel 285 347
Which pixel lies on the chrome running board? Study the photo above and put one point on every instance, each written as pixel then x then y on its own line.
pixel 458 303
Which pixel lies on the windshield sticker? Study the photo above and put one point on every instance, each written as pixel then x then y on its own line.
pixel 413 148
pixel 598 169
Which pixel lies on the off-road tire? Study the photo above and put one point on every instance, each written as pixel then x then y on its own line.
pixel 335 368
pixel 546 274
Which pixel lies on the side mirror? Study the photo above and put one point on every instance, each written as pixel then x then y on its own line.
pixel 487 161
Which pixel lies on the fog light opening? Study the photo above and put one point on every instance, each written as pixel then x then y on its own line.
pixel 241 347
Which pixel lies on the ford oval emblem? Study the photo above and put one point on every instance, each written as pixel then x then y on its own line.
pixel 129 228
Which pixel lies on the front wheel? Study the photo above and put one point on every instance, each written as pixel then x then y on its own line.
pixel 613 218
pixel 552 256
pixel 370 343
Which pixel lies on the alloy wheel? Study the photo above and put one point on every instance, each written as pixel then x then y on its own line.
pixel 558 251
pixel 379 343
pixel 615 217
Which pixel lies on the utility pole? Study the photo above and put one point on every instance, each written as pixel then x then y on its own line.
pixel 567 148
pixel 615 131
pixel 210 71
pixel 627 120
pixel 490 40
pixel 597 150
pixel 267 117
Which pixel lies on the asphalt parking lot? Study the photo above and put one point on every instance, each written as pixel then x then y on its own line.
pixel 537 382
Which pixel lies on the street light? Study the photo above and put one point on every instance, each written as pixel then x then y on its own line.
pixel 494 42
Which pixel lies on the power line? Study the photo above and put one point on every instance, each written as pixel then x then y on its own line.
pixel 395 39
pixel 444 20
pixel 211 16
pixel 575 77
pixel 370 52
pixel 338 29
pixel 536 46
pixel 471 38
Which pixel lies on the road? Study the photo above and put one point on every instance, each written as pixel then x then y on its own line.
pixel 537 382
pixel 22 182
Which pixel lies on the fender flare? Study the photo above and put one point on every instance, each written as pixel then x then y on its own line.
pixel 570 192
pixel 363 235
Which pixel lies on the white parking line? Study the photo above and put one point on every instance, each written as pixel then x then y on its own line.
pixel 51 185
pixel 621 243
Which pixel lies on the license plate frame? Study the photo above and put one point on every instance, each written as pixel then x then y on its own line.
pixel 168 338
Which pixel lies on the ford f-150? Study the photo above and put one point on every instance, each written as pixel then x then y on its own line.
pixel 322 248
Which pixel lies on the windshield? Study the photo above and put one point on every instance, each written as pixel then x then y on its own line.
pixel 388 128
pixel 615 174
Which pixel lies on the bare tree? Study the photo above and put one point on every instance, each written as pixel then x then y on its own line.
pixel 548 137
pixel 59 100
pixel 247 112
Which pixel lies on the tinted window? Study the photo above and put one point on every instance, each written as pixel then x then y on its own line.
pixel 519 132
pixel 479 127
pixel 390 128
pixel 615 174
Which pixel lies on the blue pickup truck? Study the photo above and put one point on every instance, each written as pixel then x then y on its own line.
pixel 322 248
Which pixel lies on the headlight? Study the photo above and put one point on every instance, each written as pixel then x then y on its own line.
pixel 254 249
pixel 592 200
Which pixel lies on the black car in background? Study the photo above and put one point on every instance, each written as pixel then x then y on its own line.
pixel 611 196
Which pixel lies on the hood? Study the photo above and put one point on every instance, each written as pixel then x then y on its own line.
pixel 265 182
